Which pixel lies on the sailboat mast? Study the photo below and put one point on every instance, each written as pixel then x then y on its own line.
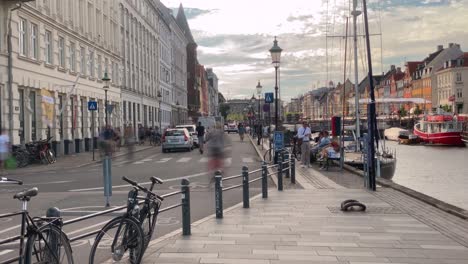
pixel 344 97
pixel 371 118
pixel 355 14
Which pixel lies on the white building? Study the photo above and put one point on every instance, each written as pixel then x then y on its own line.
pixel 212 92
pixel 140 27
pixel 60 51
pixel 452 85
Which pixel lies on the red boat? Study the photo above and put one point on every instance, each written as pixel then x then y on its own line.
pixel 440 129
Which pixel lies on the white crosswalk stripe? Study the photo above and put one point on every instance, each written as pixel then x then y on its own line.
pixel 138 162
pixel 228 162
pixel 163 160
pixel 184 159
pixel 247 160
pixel 204 159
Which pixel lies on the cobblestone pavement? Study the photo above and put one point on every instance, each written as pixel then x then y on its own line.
pixel 306 226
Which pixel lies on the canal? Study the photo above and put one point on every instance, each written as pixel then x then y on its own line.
pixel 440 172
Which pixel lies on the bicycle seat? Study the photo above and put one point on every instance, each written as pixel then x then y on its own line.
pixel 156 180
pixel 26 194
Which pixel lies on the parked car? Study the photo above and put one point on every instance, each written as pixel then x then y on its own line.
pixel 192 129
pixel 175 139
pixel 232 127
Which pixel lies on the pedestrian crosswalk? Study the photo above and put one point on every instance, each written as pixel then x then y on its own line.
pixel 227 161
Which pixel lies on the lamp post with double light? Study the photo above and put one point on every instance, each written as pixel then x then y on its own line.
pixel 106 80
pixel 259 95
pixel 178 113
pixel 159 111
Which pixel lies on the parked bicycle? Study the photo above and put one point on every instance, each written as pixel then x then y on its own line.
pixel 40 151
pixel 21 155
pixel 125 238
pixel 45 241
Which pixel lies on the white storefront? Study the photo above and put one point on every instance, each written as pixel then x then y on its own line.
pixel 59 54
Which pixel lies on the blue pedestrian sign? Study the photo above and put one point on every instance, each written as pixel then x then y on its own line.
pixel 279 140
pixel 92 105
pixel 269 98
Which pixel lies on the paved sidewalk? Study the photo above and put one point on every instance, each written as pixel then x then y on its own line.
pixel 73 161
pixel 306 226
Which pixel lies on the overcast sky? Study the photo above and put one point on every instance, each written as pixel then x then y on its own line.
pixel 234 37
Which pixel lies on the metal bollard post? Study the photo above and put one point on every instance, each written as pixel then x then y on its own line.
pixel 53 239
pixel 286 158
pixel 293 170
pixel 185 189
pixel 245 186
pixel 107 173
pixel 264 180
pixel 219 194
pixel 280 171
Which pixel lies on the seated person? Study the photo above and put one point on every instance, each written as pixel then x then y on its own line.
pixel 331 151
pixel 324 140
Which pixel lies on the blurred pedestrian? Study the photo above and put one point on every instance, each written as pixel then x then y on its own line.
pixel 141 134
pixel 4 150
pixel 303 135
pixel 241 131
pixel 215 145
pixel 129 141
pixel 259 133
pixel 201 136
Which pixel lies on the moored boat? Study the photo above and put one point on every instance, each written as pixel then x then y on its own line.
pixel 440 129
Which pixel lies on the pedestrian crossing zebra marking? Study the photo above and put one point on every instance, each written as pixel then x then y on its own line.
pixel 185 159
pixel 204 159
pixel 247 160
pixel 163 160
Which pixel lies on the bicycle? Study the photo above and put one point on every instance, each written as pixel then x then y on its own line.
pixel 137 225
pixel 45 240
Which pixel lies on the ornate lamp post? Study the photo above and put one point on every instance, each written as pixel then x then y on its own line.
pixel 275 58
pixel 259 94
pixel 178 112
pixel 106 80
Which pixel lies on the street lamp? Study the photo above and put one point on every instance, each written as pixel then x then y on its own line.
pixel 106 80
pixel 259 94
pixel 159 111
pixel 178 112
pixel 275 58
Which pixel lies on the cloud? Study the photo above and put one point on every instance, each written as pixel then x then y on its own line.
pixel 234 38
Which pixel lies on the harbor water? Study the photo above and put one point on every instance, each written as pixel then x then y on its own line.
pixel 440 172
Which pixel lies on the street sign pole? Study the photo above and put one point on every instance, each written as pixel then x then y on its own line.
pixel 92 126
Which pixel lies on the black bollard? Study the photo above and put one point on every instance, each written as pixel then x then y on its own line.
pixel 219 194
pixel 293 170
pixel 264 180
pixel 286 158
pixel 280 172
pixel 185 188
pixel 245 186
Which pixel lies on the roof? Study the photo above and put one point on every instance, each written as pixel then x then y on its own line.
pixel 456 62
pixel 183 24
pixel 364 83
pixel 412 66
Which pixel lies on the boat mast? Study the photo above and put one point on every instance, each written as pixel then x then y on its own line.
pixel 355 14
pixel 344 98
pixel 371 116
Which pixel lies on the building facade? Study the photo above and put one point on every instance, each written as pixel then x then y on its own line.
pixel 60 51
pixel 212 92
pixel 453 86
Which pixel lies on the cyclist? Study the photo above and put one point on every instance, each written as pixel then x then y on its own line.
pixel 201 136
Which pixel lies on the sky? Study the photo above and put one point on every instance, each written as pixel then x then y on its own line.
pixel 234 37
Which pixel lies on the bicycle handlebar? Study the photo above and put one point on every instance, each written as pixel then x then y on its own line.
pixel 10 180
pixel 144 189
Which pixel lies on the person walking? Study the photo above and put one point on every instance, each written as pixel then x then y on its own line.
pixel 4 150
pixel 241 130
pixel 201 136
pixel 303 136
pixel 259 133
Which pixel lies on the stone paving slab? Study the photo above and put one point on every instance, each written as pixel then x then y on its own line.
pixel 296 226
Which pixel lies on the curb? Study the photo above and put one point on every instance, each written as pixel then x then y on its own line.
pixel 449 208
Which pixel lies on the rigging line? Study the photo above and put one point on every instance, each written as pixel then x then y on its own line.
pixel 326 45
pixel 381 38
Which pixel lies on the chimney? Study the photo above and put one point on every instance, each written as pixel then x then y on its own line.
pixel 450 45
pixel 440 47
pixel 398 69
pixel 392 67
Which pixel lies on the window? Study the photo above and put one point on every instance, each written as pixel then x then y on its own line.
pixel 91 63
pixel 124 111
pixel 72 56
pixel 48 49
pixel 34 49
pixel 22 37
pixel 83 60
pixel 459 77
pixel 99 65
pixel 61 53
pixel 21 114
pixel 32 106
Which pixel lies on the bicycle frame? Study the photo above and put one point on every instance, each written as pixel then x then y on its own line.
pixel 28 227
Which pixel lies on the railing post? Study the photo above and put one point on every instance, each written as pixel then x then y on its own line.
pixel 293 169
pixel 286 158
pixel 185 189
pixel 245 186
pixel 219 194
pixel 280 171
pixel 53 239
pixel 264 180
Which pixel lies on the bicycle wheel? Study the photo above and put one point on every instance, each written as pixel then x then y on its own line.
pixel 49 245
pixel 43 157
pixel 149 221
pixel 119 241
pixel 50 156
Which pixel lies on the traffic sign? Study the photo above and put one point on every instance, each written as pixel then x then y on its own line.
pixel 92 105
pixel 269 98
pixel 279 140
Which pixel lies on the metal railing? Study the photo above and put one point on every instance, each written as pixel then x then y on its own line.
pixel 286 165
pixel 184 204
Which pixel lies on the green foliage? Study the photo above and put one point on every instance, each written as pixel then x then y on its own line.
pixel 224 110
pixel 402 112
pixel 417 111
pixel 447 108
pixel 235 117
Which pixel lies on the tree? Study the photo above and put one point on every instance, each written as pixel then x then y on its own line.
pixel 417 111
pixel 224 110
pixel 402 112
